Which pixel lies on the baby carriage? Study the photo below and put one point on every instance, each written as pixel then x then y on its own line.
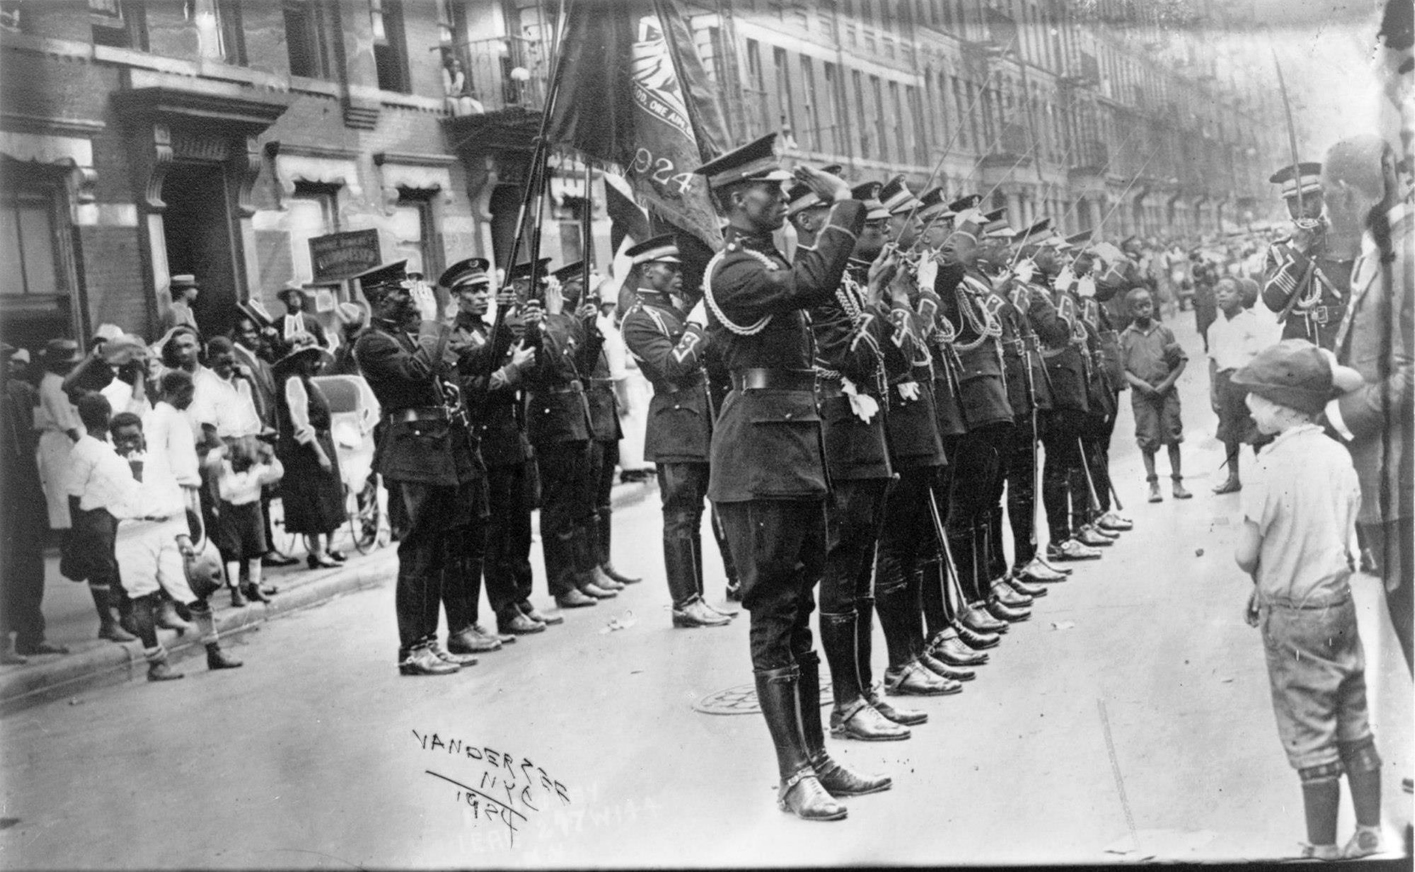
pixel 353 412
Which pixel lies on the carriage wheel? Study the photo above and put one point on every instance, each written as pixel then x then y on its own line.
pixel 364 516
pixel 284 542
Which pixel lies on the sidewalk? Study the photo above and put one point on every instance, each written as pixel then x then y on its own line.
pixel 93 662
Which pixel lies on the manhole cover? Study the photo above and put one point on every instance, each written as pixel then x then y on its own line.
pixel 742 700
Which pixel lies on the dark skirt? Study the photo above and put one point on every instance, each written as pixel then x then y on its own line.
pixel 313 499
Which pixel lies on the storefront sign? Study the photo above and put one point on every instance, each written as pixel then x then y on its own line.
pixel 339 256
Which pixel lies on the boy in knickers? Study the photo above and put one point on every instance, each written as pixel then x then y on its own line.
pixel 1299 522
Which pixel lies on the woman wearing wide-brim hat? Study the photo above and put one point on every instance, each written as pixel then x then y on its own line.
pixel 312 490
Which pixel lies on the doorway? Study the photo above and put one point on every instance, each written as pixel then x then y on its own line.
pixel 197 231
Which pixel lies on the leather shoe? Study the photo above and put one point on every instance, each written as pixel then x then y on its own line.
pixel 254 593
pixel 1038 571
pixel 520 625
pixel 1155 496
pixel 160 671
pixel 473 640
pixel 1179 492
pixel 697 614
pixel 803 796
pixel 1071 550
pixel 1004 612
pixel 449 657
pixel 839 781
pixel 114 631
pixel 41 648
pixel 978 619
pixel 275 559
pixel 601 579
pixel 530 611
pixel 1115 522
pixel 946 646
pixel 939 668
pixel 976 640
pixel 218 659
pixel 238 599
pixel 1087 536
pixel 726 613
pixel 907 717
pixel 575 599
pixel 591 589
pixel 422 661
pixel 1027 589
pixel 618 576
pixel 1005 594
pixel 911 679
pixel 734 591
pixel 861 721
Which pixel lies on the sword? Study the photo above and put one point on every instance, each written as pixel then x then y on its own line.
pixel 1090 483
pixel 952 591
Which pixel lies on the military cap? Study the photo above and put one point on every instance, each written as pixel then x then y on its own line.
pixel 383 278
pixel 1039 232
pixel 896 196
pixel 996 226
pixel 970 222
pixel 965 202
pixel 660 249
pixel 1292 373
pixel 570 272
pixel 757 161
pixel 523 270
pixel 1308 172
pixel 868 193
pixel 1075 240
pixel 933 205
pixel 800 197
pixel 472 271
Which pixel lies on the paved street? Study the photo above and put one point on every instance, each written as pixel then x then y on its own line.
pixel 1128 719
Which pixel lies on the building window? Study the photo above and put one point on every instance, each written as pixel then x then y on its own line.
pixel 230 33
pixel 118 23
pixel 901 147
pixel 412 231
pixel 757 84
pixel 313 211
pixel 877 95
pixel 304 39
pixel 961 110
pixel 389 45
pixel 919 129
pixel 784 102
pixel 834 102
pixel 860 113
pixel 812 133
pixel 27 251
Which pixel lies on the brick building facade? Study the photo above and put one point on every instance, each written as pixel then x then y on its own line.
pixel 216 137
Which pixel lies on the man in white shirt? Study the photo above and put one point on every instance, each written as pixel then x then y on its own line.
pixel 231 392
pixel 90 488
pixel 1234 338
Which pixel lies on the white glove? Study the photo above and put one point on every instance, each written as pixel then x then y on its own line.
pixel 863 406
pixel 908 391
pixel 1025 270
pixel 698 314
pixel 425 300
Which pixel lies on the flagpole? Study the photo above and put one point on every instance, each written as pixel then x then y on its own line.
pixel 586 229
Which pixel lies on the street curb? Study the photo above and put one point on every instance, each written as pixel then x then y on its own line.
pixel 114 663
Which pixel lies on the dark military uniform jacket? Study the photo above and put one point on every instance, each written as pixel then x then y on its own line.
pixel 982 386
pixel 493 400
pixel 599 395
pixel 1029 321
pixel 1100 382
pixel 939 335
pixel 849 341
pixel 767 444
pixel 557 410
pixel 424 436
pixel 1067 364
pixel 670 352
pixel 1317 314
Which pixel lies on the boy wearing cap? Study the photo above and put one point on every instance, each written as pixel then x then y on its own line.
pixel 1299 518
pixel 1153 363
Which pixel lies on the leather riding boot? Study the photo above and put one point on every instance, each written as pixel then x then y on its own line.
pixel 836 779
pixel 108 626
pixel 852 717
pixel 864 652
pixel 960 543
pixel 935 598
pixel 799 792
pixel 893 603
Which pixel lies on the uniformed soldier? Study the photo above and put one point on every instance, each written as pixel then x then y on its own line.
pixel 1305 282
pixel 426 452
pixel 1112 281
pixel 1064 489
pixel 1030 310
pixel 494 399
pixel 951 639
pixel 605 434
pixel 558 424
pixel 968 301
pixel 849 361
pixel 768 477
pixel 669 344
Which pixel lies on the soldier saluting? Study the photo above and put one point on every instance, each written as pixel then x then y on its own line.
pixel 1305 280
pixel 768 477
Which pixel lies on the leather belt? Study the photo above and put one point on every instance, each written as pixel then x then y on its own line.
pixel 601 383
pixel 1326 314
pixel 758 379
pixel 670 388
pixel 418 413
pixel 573 388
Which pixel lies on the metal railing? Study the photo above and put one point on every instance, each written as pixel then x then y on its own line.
pixel 505 72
